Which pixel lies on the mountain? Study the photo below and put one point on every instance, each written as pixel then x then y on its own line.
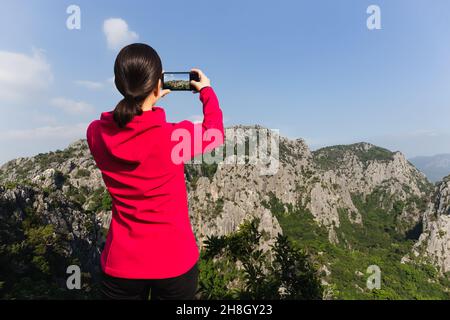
pixel 433 244
pixel 345 207
pixel 434 167
pixel 41 233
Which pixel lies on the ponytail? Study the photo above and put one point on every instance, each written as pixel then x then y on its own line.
pixel 137 73
pixel 125 110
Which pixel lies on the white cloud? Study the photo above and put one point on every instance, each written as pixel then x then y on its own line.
pixel 69 132
pixel 71 106
pixel 22 75
pixel 117 33
pixel 29 142
pixel 96 85
pixel 93 85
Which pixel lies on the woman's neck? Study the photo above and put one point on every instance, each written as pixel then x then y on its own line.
pixel 148 103
pixel 146 108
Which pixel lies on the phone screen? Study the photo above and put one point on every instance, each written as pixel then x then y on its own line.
pixel 176 80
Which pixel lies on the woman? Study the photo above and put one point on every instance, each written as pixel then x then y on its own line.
pixel 150 247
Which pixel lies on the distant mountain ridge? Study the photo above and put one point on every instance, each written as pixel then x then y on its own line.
pixel 436 167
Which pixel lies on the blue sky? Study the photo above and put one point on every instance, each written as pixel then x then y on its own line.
pixel 309 68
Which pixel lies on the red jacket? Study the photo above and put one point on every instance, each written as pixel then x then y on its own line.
pixel 150 236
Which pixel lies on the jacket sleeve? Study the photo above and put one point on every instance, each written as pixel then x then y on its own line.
pixel 89 135
pixel 190 139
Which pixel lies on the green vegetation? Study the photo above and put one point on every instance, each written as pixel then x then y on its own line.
pixel 376 242
pixel 299 221
pixel 330 158
pixel 33 258
pixel 52 158
pixel 100 200
pixel 60 178
pixel 177 85
pixel 208 170
pixel 291 269
pixel 194 170
pixel 218 208
pixel 77 195
pixel 82 173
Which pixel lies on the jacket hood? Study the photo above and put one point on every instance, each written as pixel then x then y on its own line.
pixel 123 143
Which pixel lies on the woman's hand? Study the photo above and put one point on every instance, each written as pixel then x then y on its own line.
pixel 204 80
pixel 161 92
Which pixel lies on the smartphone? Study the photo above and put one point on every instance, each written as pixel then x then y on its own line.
pixel 179 81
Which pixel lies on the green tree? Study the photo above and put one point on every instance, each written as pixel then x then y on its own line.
pixel 289 276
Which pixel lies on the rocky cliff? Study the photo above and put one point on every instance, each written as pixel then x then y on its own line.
pixel 434 242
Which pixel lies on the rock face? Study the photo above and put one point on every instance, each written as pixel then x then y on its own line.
pixel 361 169
pixel 41 234
pixel 325 183
pixel 434 242
pixel 54 209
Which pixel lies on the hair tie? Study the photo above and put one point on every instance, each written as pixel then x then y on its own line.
pixel 129 98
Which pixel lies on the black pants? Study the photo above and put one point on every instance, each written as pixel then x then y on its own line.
pixel 183 287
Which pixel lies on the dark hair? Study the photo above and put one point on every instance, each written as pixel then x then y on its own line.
pixel 137 70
